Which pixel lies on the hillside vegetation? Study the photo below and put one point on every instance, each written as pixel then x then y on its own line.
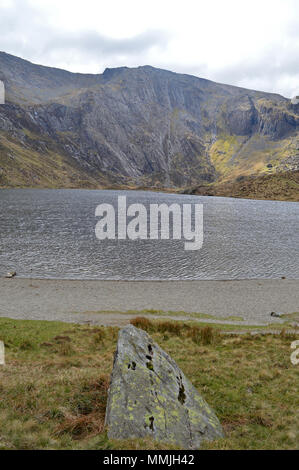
pixel 278 186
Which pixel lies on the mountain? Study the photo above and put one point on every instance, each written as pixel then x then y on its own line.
pixel 138 127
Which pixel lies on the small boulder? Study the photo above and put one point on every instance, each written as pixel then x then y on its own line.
pixel 11 274
pixel 150 396
pixel 276 314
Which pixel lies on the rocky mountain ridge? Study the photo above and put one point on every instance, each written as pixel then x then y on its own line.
pixel 137 127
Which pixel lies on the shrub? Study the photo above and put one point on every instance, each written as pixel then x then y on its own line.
pixel 143 323
pixel 99 337
pixel 205 335
pixel 169 327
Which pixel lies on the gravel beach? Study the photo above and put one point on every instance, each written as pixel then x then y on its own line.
pixel 101 301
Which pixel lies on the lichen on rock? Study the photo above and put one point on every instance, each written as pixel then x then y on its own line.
pixel 150 396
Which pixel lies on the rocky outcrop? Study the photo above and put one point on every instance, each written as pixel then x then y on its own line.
pixel 242 115
pixel 150 396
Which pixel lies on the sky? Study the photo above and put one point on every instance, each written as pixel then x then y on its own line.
pixel 248 43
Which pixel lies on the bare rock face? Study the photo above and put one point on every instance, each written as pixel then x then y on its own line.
pixel 2 93
pixel 135 126
pixel 150 396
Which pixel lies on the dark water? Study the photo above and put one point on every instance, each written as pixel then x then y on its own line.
pixel 50 234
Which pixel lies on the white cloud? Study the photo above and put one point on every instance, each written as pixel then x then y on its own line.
pixel 250 43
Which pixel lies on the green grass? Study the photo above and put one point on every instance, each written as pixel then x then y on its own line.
pixel 290 316
pixel 54 384
pixel 23 167
pixel 166 313
pixel 181 313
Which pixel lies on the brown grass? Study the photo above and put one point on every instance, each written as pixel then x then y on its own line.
pixel 142 322
pixel 203 335
pixel 50 400
pixel 88 406
pixel 198 334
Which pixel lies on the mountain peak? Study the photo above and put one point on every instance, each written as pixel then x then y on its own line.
pixel 140 126
pixel 111 72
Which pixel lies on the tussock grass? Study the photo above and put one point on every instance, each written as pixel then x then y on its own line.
pixel 143 323
pixel 54 385
pixel 198 334
pixel 204 335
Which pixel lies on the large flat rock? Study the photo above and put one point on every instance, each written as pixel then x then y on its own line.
pixel 150 396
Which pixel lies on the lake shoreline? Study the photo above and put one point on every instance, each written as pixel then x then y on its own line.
pixel 108 302
pixel 253 187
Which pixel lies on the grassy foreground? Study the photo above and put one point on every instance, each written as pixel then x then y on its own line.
pixel 54 385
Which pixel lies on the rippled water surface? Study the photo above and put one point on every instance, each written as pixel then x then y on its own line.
pixel 50 234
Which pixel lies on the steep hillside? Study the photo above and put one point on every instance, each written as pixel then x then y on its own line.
pixel 282 186
pixel 137 127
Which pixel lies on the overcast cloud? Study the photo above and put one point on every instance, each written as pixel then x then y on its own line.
pixel 250 43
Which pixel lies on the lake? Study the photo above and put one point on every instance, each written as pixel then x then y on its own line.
pixel 51 234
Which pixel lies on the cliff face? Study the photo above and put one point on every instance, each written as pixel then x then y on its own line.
pixel 141 126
